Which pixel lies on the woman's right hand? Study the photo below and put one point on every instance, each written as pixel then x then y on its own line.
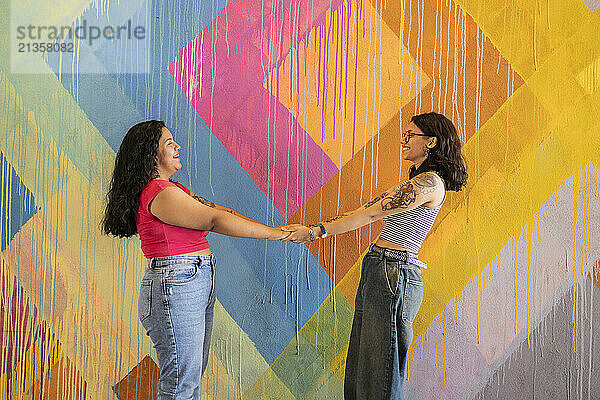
pixel 276 233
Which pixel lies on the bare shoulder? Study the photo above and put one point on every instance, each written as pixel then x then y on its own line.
pixel 168 196
pixel 428 181
pixel 432 186
pixel 170 191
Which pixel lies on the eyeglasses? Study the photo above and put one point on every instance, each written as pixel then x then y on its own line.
pixel 406 136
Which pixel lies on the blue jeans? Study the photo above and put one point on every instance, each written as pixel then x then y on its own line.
pixel 175 306
pixel 389 296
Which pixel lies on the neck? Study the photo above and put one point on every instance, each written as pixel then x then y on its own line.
pixel 162 175
pixel 419 162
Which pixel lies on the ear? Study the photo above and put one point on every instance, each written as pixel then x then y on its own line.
pixel 432 142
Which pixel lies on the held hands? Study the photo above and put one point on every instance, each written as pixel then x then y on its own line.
pixel 278 233
pixel 296 233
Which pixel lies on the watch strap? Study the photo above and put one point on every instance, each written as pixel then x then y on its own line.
pixel 324 232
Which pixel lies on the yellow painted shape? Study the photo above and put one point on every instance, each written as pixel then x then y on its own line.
pixel 217 381
pixel 332 381
pixel 589 77
pixel 527 32
pixel 329 330
pixel 555 83
pixel 268 387
pixel 516 256
pixel 101 275
pixel 312 365
pixel 65 208
pixel 38 14
pixel 534 151
pixel 501 223
pixel 45 13
pixel 236 356
pixel 349 283
pixel 76 136
pixel 380 81
pixel 26 368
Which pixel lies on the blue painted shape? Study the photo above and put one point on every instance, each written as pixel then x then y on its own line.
pixel 19 205
pixel 251 281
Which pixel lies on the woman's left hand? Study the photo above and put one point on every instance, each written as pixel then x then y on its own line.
pixel 299 233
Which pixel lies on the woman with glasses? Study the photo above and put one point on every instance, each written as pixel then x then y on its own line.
pixel 177 294
pixel 390 290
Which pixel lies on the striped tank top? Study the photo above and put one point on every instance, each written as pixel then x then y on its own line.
pixel 408 229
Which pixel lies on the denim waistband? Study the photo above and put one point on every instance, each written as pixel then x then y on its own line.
pixel 170 261
pixel 400 255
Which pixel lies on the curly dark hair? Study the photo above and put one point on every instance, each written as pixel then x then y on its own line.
pixel 135 166
pixel 445 158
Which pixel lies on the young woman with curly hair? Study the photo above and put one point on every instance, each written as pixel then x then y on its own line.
pixel 177 293
pixel 390 290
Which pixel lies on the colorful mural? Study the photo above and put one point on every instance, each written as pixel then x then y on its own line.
pixel 291 112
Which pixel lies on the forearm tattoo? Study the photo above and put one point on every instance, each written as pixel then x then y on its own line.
pixel 375 200
pixel 334 218
pixel 204 201
pixel 402 197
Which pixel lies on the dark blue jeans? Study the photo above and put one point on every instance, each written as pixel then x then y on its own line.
pixel 389 296
pixel 176 304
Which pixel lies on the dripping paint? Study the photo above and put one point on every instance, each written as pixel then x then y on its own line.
pixel 290 112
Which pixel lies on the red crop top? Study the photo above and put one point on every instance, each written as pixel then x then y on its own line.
pixel 160 239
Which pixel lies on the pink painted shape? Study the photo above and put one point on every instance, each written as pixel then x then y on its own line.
pixel 260 133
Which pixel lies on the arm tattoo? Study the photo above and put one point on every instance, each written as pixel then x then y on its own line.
pixel 204 201
pixel 375 200
pixel 334 218
pixel 403 197
pixel 427 183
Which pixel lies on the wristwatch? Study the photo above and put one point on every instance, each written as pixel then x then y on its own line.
pixel 311 234
pixel 324 232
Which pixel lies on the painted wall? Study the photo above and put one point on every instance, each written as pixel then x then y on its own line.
pixel 291 112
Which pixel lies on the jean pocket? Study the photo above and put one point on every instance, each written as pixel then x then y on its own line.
pixel 413 296
pixel 145 300
pixel 180 275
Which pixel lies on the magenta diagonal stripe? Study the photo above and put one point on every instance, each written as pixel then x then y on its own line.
pixel 223 72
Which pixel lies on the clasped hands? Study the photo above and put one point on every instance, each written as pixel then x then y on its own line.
pixel 295 233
